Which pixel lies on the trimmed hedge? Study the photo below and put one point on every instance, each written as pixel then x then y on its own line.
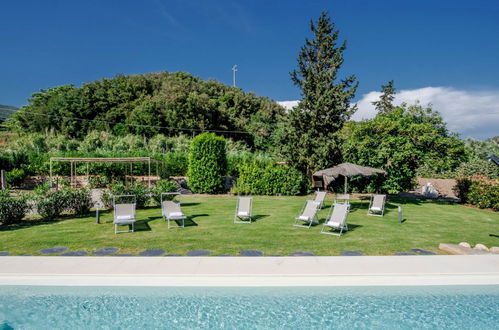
pixel 269 180
pixel 52 203
pixel 479 191
pixel 12 209
pixel 207 164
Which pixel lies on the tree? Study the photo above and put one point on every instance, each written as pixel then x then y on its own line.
pixel 310 139
pixel 400 142
pixel 385 103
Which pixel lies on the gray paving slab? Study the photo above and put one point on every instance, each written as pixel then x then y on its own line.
pixel 106 251
pixel 251 253
pixel 423 252
pixel 404 254
pixel 53 250
pixel 351 253
pixel 198 253
pixel 302 254
pixel 4 253
pixel 152 253
pixel 74 254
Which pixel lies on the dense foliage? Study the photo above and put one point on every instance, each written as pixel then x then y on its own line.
pixel 167 103
pixel 482 149
pixel 50 204
pixel 269 179
pixel 137 189
pixel 207 164
pixel 479 191
pixel 400 142
pixel 12 209
pixel 478 167
pixel 309 133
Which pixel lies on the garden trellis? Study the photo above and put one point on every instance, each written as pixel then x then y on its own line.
pixel 126 160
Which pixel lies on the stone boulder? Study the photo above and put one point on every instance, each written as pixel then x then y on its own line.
pixel 481 247
pixel 465 244
pixel 429 191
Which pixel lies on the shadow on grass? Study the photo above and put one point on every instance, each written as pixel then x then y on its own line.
pixel 188 204
pixel 41 221
pixel 258 217
pixel 143 225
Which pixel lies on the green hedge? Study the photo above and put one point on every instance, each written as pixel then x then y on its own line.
pixel 12 209
pixel 51 204
pixel 207 164
pixel 479 191
pixel 269 180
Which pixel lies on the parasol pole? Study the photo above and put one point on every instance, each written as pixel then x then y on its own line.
pixel 346 184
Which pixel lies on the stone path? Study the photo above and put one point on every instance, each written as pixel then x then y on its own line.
pixel 173 255
pixel 351 253
pixel 302 254
pixel 404 254
pixel 152 253
pixel 75 253
pixel 251 253
pixel 198 253
pixel 124 255
pixel 53 250
pixel 4 253
pixel 423 252
pixel 106 251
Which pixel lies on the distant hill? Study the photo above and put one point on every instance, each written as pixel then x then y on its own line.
pixel 6 111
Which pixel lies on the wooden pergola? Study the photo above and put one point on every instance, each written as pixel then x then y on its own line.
pixel 128 160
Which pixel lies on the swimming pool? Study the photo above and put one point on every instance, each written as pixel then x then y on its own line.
pixel 446 307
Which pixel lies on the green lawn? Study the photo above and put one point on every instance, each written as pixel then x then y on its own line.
pixel 427 224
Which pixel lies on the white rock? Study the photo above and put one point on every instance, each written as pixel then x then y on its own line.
pixel 465 244
pixel 494 249
pixel 429 191
pixel 481 247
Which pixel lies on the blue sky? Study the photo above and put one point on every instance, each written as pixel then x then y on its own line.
pixel 451 45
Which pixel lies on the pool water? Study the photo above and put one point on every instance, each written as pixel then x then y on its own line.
pixel 429 307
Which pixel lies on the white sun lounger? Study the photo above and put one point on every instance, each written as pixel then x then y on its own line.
pixel 336 219
pixel 124 213
pixel 320 196
pixel 171 212
pixel 308 214
pixel 244 210
pixel 377 205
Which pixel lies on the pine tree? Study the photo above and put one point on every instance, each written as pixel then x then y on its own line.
pixel 385 103
pixel 311 139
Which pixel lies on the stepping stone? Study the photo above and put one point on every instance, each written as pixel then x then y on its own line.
pixel 404 254
pixel 4 253
pixel 106 251
pixel 123 255
pixel 251 253
pixel 275 255
pixel 24 255
pixel 74 254
pixel 198 253
pixel 224 255
pixel 173 255
pixel 424 252
pixel 152 253
pixel 53 250
pixel 351 253
pixel 302 254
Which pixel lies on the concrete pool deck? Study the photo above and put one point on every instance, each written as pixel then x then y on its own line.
pixel 250 271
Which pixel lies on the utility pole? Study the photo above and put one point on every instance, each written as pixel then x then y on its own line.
pixel 234 69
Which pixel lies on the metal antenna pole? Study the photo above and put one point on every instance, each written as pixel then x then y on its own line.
pixel 234 69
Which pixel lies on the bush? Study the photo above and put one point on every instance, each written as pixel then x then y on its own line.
pixel 137 189
pixel 12 209
pixel 15 177
pixel 207 164
pixel 78 201
pixel 50 204
pixel 479 167
pixel 479 191
pixel 98 181
pixel 163 186
pixel 174 164
pixel 269 180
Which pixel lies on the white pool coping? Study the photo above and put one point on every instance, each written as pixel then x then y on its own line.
pixel 251 271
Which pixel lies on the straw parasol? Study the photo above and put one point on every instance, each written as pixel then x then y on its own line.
pixel 346 170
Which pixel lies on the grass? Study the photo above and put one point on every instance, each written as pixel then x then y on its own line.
pixel 427 224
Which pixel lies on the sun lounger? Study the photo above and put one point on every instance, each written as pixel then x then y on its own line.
pixel 307 215
pixel 244 210
pixel 171 212
pixel 320 196
pixel 124 213
pixel 377 205
pixel 342 199
pixel 336 220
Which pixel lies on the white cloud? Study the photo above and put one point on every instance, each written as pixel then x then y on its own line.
pixel 288 105
pixel 469 113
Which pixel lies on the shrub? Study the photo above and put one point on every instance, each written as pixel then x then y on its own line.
pixel 50 204
pixel 115 189
pixel 270 180
pixel 98 181
pixel 207 164
pixel 78 201
pixel 12 209
pixel 15 177
pixel 479 191
pixel 479 167
pixel 174 164
pixel 163 186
